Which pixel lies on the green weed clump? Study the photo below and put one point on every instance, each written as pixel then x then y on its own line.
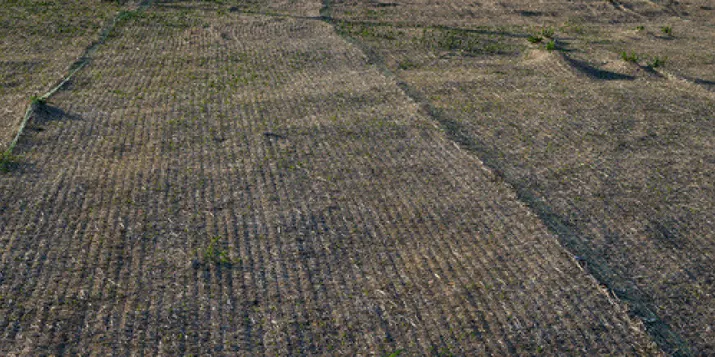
pixel 534 38
pixel 407 64
pixel 37 101
pixel 396 353
pixel 548 32
pixel 667 30
pixel 126 16
pixel 551 45
pixel 7 162
pixel 629 57
pixel 656 62
pixel 214 253
pixel 464 41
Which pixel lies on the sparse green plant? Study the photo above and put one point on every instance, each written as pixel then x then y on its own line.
pixel 551 45
pixel 656 62
pixel 7 161
pixel 640 28
pixel 407 64
pixel 629 57
pixel 464 41
pixel 37 100
pixel 214 253
pixel 547 32
pixel 126 16
pixel 534 38
pixel 396 353
pixel 667 30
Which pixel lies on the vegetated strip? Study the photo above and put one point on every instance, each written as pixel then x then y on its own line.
pixel 36 102
pixel 638 303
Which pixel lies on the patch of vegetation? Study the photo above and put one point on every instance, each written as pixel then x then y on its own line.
pixel 640 28
pixel 573 27
pixel 37 101
pixel 396 353
pixel 548 32
pixel 368 31
pixel 667 30
pixel 629 57
pixel 464 41
pixel 215 254
pixel 8 161
pixel 126 15
pixel 407 64
pixel 656 62
pixel 551 45
pixel 534 38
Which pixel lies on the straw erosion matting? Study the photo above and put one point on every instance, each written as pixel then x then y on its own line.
pixel 225 183
pixel 599 114
pixel 40 40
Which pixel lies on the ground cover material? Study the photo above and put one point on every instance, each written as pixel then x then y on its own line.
pixel 607 135
pixel 218 182
pixel 40 41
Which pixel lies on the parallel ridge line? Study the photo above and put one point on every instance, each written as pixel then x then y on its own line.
pixel 83 61
pixel 641 307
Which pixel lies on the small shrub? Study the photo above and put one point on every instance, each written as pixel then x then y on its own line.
pixel 632 57
pixel 667 30
pixel 535 39
pixel 640 28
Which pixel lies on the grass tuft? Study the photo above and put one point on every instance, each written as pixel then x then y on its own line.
pixel 396 353
pixel 667 30
pixel 38 101
pixel 657 62
pixel 407 64
pixel 629 57
pixel 214 253
pixel 534 38
pixel 8 162
pixel 551 45
pixel 547 32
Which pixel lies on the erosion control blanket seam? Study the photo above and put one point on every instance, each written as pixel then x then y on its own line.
pixel 83 60
pixel 637 303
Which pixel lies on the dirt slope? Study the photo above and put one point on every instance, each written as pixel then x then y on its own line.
pixel 218 183
pixel 40 40
pixel 608 137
